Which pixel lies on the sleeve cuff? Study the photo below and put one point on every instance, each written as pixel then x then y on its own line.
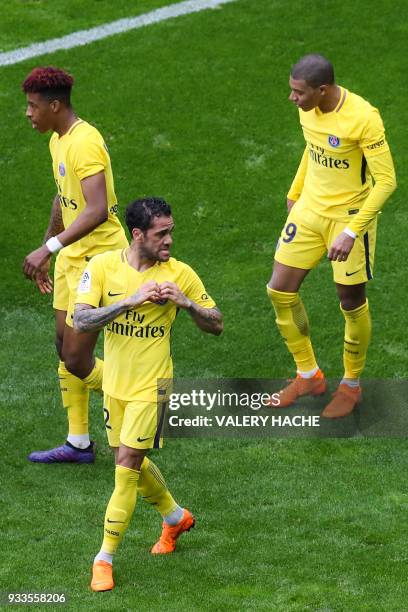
pixel 293 196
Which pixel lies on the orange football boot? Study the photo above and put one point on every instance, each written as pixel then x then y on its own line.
pixel 170 534
pixel 345 399
pixel 102 579
pixel 297 388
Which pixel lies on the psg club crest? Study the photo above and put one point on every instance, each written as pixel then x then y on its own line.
pixel 61 169
pixel 334 141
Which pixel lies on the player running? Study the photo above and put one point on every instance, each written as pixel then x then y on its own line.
pixel 136 293
pixel 333 207
pixel 83 223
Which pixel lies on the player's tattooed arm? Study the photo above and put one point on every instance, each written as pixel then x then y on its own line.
pixel 207 319
pixel 90 319
pixel 56 225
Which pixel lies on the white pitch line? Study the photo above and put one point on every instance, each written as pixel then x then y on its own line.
pixel 84 37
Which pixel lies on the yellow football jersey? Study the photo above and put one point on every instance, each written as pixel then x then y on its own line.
pixel 80 153
pixel 137 343
pixel 333 175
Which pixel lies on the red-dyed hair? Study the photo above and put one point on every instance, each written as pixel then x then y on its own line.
pixel 52 83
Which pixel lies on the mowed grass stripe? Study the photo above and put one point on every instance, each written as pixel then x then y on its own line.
pixel 84 37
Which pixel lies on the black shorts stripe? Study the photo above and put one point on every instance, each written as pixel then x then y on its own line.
pixel 363 171
pixel 160 420
pixel 367 256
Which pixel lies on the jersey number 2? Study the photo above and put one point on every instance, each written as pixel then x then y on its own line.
pixel 106 411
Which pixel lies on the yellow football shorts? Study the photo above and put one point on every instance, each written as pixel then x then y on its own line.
pixel 307 236
pixel 136 424
pixel 66 280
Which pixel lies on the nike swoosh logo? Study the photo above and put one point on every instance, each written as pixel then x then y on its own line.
pixel 109 521
pixel 351 273
pixel 113 294
pixel 143 439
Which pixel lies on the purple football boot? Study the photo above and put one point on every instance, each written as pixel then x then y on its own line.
pixel 64 454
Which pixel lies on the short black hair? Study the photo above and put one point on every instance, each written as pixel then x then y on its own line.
pixel 315 69
pixel 140 213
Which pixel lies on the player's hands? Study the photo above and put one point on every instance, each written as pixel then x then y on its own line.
pixel 149 292
pixel 170 291
pixel 42 278
pixel 35 260
pixel 341 247
pixel 290 204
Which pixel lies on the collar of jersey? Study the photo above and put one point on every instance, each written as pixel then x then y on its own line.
pixel 72 128
pixel 339 105
pixel 127 264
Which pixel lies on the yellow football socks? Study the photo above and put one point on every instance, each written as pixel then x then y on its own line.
pixel 94 379
pixel 357 336
pixel 293 324
pixel 153 488
pixel 75 397
pixel 120 507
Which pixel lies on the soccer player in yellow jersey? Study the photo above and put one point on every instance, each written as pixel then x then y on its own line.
pixel 135 294
pixel 83 223
pixel 345 176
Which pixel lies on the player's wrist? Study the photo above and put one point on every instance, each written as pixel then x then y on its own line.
pixel 130 302
pixel 53 244
pixel 350 233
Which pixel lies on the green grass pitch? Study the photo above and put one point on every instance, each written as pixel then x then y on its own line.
pixel 195 109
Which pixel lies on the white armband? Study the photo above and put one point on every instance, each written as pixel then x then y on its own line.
pixel 53 244
pixel 350 232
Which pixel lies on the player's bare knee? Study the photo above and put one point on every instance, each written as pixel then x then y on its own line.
pixel 352 303
pixel 74 364
pixel 78 362
pixel 276 283
pixel 351 297
pixel 131 458
pixel 286 278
